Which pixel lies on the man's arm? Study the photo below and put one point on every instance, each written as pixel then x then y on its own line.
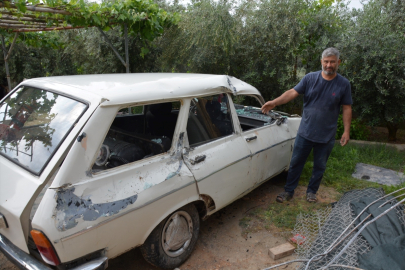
pixel 283 99
pixel 347 120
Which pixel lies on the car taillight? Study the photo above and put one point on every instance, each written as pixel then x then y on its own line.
pixel 45 248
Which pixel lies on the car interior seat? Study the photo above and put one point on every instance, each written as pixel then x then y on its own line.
pixel 160 120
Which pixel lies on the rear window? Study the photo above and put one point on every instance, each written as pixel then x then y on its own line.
pixel 33 123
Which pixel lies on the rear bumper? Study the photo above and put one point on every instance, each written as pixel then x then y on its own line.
pixel 24 261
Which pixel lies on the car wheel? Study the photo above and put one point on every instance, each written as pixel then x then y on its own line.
pixel 173 240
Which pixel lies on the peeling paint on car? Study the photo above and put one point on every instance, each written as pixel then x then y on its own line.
pixel 233 88
pixel 177 157
pixel 70 207
pixel 172 174
pixel 89 173
pixel 147 185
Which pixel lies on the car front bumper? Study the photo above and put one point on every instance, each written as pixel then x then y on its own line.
pixel 24 261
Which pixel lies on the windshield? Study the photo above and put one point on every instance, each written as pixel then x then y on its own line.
pixel 33 123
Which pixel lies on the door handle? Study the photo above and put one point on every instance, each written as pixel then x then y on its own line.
pixel 251 138
pixel 197 159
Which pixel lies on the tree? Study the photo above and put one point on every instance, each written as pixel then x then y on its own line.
pixel 375 65
pixel 203 41
pixel 142 19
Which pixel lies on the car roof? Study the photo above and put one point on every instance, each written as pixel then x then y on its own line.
pixel 140 87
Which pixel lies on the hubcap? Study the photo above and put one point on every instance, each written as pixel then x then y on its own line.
pixel 177 233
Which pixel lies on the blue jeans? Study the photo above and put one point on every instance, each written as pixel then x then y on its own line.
pixel 302 149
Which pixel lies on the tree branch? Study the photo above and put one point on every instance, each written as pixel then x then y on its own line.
pixel 112 46
pixel 11 47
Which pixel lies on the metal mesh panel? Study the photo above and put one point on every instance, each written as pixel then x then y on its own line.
pixel 325 226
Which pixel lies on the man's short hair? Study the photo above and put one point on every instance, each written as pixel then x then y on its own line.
pixel 330 52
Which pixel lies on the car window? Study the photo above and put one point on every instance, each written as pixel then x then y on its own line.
pixel 249 113
pixel 131 110
pixel 134 137
pixel 33 123
pixel 209 119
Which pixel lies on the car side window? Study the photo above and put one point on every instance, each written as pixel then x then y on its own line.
pixel 209 119
pixel 134 137
pixel 249 113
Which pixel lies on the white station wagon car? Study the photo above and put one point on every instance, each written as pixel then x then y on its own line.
pixel 92 166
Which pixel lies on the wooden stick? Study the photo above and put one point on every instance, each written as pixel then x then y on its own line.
pixel 10 21
pixel 21 30
pixel 16 26
pixel 26 19
pixel 38 9
pixel 8 12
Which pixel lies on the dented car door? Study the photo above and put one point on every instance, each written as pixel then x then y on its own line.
pixel 217 155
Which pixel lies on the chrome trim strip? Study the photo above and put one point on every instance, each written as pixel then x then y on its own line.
pixel 272 146
pixel 18 257
pixel 124 213
pixel 251 155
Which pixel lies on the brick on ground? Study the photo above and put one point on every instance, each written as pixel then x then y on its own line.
pixel 281 251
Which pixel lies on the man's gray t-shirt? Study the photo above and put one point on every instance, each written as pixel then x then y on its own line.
pixel 322 101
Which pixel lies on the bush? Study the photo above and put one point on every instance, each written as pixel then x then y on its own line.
pixel 358 131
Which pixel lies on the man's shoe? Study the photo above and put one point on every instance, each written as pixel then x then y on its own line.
pixel 284 196
pixel 311 197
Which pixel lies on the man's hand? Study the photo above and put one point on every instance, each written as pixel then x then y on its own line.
pixel 345 139
pixel 283 99
pixel 347 119
pixel 268 106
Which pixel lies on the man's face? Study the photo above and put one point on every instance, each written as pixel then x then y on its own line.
pixel 330 65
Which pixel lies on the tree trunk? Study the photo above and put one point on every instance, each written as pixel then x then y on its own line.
pixel 392 131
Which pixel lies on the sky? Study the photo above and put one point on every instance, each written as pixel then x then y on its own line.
pixel 355 4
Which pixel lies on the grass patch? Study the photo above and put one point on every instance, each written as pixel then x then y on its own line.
pixel 341 165
pixel 284 215
pixel 343 160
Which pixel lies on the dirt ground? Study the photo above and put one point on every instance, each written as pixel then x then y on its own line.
pixel 222 244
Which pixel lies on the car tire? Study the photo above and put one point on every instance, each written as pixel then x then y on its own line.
pixel 172 241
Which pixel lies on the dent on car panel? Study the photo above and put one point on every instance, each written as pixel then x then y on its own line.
pixel 70 207
pixel 177 157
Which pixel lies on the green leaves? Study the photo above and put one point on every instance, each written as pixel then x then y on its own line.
pixel 143 17
pixel 375 64
pixel 144 51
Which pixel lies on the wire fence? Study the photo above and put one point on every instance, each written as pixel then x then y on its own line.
pixel 319 231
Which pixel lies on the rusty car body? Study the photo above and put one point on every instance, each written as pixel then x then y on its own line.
pixel 92 166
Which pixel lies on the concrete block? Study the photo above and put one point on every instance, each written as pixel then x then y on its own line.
pixel 281 251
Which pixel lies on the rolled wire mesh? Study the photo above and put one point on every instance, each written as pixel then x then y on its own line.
pixel 321 229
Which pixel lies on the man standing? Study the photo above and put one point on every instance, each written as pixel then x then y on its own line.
pixel 324 92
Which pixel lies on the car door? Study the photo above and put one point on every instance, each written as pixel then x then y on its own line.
pixel 216 155
pixel 270 144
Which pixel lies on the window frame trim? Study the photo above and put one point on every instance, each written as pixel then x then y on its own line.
pixel 235 130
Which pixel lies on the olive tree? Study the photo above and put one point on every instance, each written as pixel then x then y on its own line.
pixel 375 52
pixel 203 41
